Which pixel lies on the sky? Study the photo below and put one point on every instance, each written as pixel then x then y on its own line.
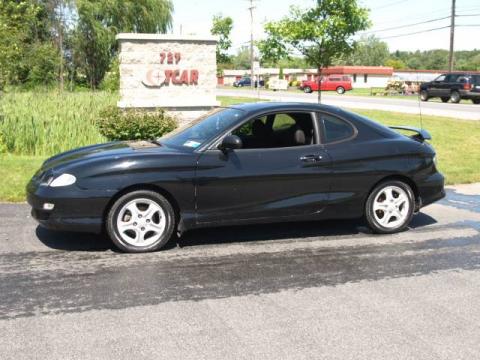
pixel 195 17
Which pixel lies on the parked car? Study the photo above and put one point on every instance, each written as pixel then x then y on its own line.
pixel 246 81
pixel 250 163
pixel 338 83
pixel 453 87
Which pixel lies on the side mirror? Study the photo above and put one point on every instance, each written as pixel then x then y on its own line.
pixel 230 142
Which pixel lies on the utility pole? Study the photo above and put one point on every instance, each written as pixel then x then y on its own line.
pixel 452 37
pixel 252 80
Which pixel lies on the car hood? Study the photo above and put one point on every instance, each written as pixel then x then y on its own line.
pixel 109 151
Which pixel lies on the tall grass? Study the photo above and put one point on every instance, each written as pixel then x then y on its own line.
pixel 45 123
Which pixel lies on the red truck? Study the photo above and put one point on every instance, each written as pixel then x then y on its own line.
pixel 338 83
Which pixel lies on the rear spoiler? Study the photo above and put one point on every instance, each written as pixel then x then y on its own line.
pixel 421 134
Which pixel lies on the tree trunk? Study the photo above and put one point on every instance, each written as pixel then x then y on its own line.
pixel 319 81
pixel 60 44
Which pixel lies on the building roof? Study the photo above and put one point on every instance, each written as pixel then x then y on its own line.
pixel 349 70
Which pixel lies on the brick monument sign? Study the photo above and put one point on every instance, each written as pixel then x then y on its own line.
pixel 175 73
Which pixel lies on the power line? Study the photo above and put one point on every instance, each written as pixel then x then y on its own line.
pixel 416 32
pixel 408 25
pixel 390 4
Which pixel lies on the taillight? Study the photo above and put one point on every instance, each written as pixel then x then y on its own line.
pixel 467 86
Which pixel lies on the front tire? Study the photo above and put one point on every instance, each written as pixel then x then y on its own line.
pixel 424 95
pixel 307 89
pixel 476 101
pixel 340 90
pixel 140 221
pixel 389 207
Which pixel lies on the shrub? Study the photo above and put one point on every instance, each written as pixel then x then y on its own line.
pixel 131 124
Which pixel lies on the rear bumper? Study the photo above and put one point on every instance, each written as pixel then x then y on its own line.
pixel 467 94
pixel 431 189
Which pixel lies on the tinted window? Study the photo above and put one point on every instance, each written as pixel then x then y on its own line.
pixel 283 121
pixel 441 78
pixel 335 129
pixel 462 79
pixel 277 130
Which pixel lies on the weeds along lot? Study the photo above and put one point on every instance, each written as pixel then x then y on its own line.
pixel 36 125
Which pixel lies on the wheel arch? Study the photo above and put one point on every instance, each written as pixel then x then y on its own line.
pixel 151 187
pixel 398 177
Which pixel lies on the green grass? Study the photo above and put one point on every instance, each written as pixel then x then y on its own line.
pixel 15 171
pixel 40 125
pixel 228 101
pixel 47 122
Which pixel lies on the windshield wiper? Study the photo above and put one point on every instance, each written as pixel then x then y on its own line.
pixel 156 142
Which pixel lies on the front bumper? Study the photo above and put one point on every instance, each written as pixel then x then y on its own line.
pixel 74 209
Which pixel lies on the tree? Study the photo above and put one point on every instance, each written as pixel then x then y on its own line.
pixel 395 63
pixel 99 21
pixel 24 44
pixel 241 60
pixel 222 26
pixel 320 34
pixel 370 51
pixel 58 11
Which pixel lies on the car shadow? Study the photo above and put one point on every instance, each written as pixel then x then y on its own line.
pixel 71 241
pixel 60 240
pixel 278 231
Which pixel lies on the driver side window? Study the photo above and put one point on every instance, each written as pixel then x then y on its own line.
pixel 277 130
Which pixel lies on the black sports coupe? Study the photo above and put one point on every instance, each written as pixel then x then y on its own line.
pixel 249 163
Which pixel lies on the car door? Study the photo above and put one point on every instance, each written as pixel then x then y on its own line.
pixel 269 178
pixel 436 86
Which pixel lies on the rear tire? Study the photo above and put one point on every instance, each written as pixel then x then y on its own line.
pixel 307 89
pixel 340 90
pixel 424 95
pixel 455 97
pixel 140 221
pixel 445 99
pixel 476 101
pixel 389 207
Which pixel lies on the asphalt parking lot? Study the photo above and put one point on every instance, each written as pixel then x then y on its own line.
pixel 328 290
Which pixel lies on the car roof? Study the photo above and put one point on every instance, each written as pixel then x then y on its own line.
pixel 256 107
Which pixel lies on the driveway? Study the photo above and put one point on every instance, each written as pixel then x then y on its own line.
pixel 458 111
pixel 286 291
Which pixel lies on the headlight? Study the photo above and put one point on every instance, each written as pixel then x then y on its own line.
pixel 63 180
pixel 435 160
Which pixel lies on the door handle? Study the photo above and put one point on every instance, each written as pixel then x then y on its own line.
pixel 310 158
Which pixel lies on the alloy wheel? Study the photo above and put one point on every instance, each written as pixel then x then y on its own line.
pixel 141 222
pixel 391 207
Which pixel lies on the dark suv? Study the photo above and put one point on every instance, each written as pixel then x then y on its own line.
pixel 453 87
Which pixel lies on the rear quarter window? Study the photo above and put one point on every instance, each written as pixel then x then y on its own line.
pixel 335 129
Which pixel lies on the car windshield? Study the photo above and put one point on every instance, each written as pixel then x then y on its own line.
pixel 196 133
